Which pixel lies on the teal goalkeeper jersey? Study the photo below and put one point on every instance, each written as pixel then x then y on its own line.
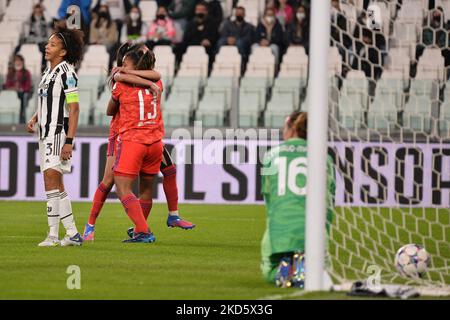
pixel 284 189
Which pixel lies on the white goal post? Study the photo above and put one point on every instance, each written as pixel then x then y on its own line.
pixel 317 145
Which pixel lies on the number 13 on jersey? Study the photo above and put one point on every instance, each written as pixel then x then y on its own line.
pixel 153 110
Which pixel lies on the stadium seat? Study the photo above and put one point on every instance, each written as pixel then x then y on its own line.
pixel 411 12
pixel 353 101
pixel 259 85
pixel 33 58
pixel 418 110
pixel 9 107
pixel 212 109
pixel 388 101
pixel 262 63
pixel 10 32
pixel 295 58
pixel 398 60
pixel 228 58
pixel 148 9
pixel 221 84
pixel 177 109
pixel 85 103
pixel 431 65
pixel 405 35
pixel 250 107
pixel 278 107
pixel 96 57
pixel 194 62
pixel 100 106
pixel 19 10
pixel 334 62
pixel 51 9
pixel 288 86
pixel 190 84
pixel 165 63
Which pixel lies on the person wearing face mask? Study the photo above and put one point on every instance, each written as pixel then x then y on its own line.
pixel 201 31
pixel 118 10
pixel 215 11
pixel 237 32
pixel 283 12
pixel 19 79
pixel 181 11
pixel 298 31
pixel 36 30
pixel 162 29
pixel 134 29
pixel 269 33
pixel 104 31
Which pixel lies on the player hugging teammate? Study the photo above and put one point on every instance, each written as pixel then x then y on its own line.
pixel 135 75
pixel 57 121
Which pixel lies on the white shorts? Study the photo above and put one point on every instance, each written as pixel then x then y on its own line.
pixel 50 154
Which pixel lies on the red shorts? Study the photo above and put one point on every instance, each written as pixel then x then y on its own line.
pixel 111 145
pixel 133 158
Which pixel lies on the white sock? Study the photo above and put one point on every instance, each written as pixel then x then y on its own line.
pixel 53 212
pixel 65 212
pixel 173 213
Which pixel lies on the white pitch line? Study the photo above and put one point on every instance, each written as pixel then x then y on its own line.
pixel 299 293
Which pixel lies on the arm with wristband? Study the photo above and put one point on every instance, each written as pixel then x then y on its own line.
pixel 70 86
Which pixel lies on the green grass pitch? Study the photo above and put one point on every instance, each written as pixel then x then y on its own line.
pixel 219 259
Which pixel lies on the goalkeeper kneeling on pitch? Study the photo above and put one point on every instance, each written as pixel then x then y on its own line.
pixel 284 189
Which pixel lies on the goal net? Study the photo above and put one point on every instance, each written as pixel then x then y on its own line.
pixel 389 131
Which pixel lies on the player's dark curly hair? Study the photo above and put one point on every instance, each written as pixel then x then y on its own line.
pixel 72 41
pixel 299 121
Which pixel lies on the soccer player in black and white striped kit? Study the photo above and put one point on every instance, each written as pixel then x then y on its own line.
pixel 57 121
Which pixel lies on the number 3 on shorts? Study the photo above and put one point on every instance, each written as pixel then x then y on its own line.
pixel 49 149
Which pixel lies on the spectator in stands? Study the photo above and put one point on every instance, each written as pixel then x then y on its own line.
pixel 283 12
pixel 162 29
pixel 200 31
pixel 134 30
pixel 104 31
pixel 118 9
pixel 237 32
pixel 339 35
pixel 36 30
pixel 367 57
pixel 377 36
pixel 19 79
pixel 298 31
pixel 215 11
pixel 181 11
pixel 269 33
pixel 434 32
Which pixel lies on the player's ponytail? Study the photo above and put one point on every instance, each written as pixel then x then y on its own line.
pixel 298 120
pixel 146 61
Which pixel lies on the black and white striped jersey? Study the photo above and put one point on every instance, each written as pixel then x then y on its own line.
pixel 55 88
